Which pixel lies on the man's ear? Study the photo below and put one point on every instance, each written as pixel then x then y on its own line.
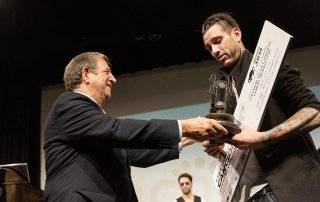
pixel 236 34
pixel 85 75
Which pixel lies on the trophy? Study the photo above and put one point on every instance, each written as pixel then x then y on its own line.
pixel 219 91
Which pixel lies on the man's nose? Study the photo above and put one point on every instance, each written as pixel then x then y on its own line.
pixel 113 79
pixel 215 50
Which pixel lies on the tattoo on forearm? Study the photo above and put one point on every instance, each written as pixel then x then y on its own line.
pixel 265 136
pixel 305 119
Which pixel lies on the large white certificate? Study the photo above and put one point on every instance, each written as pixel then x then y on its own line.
pixel 267 59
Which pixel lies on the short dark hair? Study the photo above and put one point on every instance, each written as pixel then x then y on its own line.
pixel 187 175
pixel 225 19
pixel 72 73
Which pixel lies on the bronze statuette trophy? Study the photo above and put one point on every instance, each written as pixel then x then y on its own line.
pixel 219 91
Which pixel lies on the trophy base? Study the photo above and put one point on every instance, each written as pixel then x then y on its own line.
pixel 228 121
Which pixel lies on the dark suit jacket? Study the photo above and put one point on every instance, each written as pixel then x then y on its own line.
pixel 88 153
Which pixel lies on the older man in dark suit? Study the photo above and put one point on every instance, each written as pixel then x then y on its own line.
pixel 88 152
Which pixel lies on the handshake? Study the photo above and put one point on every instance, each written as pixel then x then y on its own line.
pixel 208 131
pixel 202 129
pixel 213 136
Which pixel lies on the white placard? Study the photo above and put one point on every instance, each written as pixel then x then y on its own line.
pixel 262 73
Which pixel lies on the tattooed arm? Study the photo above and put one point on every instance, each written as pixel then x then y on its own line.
pixel 303 120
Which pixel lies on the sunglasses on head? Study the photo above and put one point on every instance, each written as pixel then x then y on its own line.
pixel 184 183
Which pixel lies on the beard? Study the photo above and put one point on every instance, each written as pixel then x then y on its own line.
pixel 186 192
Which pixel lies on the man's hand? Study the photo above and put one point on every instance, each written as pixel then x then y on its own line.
pixel 201 129
pixel 249 139
pixel 246 139
pixel 187 141
pixel 213 149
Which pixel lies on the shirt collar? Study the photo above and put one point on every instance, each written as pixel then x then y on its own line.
pixel 91 98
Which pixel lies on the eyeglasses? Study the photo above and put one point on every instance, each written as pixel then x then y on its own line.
pixel 184 183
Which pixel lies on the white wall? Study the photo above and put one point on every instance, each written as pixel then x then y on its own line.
pixel 165 92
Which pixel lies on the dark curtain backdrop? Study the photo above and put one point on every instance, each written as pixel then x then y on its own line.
pixel 20 123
